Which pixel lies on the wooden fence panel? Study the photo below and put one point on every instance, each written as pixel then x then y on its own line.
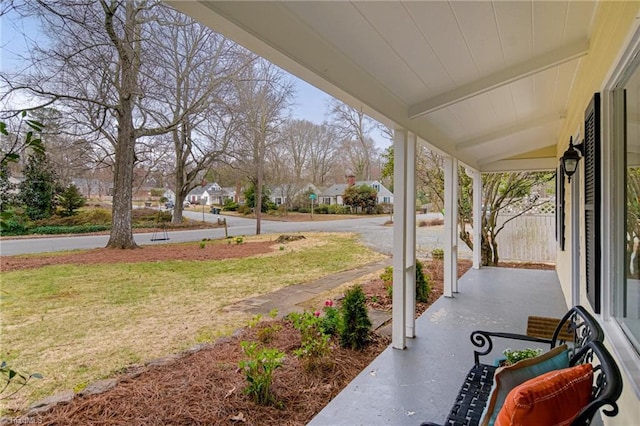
pixel 527 238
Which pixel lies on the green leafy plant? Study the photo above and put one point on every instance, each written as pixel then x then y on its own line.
pixel 514 356
pixel 13 381
pixel 254 321
pixel 202 244
pixel 355 325
pixel 387 280
pixel 422 282
pixel 437 253
pixel 314 346
pixel 330 322
pixel 239 240
pixel 258 370
pixel 268 331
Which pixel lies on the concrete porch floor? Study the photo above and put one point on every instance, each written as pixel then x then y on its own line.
pixel 407 387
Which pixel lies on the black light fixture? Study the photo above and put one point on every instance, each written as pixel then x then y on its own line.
pixel 570 159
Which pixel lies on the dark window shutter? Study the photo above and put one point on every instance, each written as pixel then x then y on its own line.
pixel 592 201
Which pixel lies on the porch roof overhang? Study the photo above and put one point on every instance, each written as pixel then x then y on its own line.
pixel 485 82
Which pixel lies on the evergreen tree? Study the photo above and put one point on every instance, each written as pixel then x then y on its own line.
pixel 38 190
pixel 250 197
pixel 355 325
pixel 70 200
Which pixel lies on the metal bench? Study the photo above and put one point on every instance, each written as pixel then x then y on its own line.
pixel 583 336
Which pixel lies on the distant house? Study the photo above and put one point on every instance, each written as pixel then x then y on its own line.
pixel 169 195
pixel 286 193
pixel 210 194
pixel 333 194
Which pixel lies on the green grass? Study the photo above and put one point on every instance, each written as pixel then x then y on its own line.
pixel 76 324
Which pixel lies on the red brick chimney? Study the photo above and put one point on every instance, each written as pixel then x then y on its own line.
pixel 351 180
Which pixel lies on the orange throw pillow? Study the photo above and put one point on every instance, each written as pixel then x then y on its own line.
pixel 553 398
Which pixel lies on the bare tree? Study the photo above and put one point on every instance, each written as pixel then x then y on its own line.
pixel 94 64
pixel 354 128
pixel 194 85
pixel 324 152
pixel 263 95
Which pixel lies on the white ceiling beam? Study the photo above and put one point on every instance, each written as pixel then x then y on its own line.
pixel 533 164
pixel 511 130
pixel 501 78
pixel 515 149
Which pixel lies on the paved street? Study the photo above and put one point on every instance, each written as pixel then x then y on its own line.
pixel 372 230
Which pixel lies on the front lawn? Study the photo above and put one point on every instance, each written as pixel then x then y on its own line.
pixel 77 323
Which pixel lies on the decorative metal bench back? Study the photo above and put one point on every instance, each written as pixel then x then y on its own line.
pixel 607 381
pixel 578 323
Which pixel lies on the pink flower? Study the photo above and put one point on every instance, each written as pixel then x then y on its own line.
pixel 316 313
pixel 328 303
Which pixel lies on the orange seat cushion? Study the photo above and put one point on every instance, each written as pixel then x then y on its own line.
pixel 554 398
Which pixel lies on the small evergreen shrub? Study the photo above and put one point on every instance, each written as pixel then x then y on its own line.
pixel 422 284
pixel 355 325
pixel 80 229
pixel 230 205
pixel 14 225
pixel 336 209
pixel 321 209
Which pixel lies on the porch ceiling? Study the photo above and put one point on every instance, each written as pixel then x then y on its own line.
pixel 487 82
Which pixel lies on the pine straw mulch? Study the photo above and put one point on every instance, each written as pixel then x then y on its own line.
pixel 155 253
pixel 206 388
pixel 378 297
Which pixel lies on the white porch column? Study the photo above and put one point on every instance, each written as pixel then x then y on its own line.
pixel 410 271
pixel 450 226
pixel 477 218
pixel 398 318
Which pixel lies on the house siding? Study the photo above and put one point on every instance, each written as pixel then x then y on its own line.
pixel 613 24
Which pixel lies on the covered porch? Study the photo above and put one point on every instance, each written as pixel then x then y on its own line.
pixel 419 384
pixel 493 87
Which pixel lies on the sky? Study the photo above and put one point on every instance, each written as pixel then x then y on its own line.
pixel 309 104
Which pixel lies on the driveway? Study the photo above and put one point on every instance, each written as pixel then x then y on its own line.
pixel 372 230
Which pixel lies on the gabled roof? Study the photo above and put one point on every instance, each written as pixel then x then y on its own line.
pixel 339 188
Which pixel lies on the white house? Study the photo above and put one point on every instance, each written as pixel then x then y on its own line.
pixel 333 194
pixel 210 194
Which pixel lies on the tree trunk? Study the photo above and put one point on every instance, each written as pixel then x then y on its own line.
pixel 258 199
pixel 179 181
pixel 121 230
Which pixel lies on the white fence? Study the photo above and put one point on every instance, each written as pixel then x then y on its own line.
pixel 527 238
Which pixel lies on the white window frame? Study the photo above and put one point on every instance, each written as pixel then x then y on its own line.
pixel 613 211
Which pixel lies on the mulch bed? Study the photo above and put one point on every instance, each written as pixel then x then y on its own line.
pixel 157 253
pixel 206 388
pixel 378 296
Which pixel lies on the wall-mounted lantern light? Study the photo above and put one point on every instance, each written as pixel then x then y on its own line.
pixel 570 158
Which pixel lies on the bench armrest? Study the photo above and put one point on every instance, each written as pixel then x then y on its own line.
pixel 483 340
